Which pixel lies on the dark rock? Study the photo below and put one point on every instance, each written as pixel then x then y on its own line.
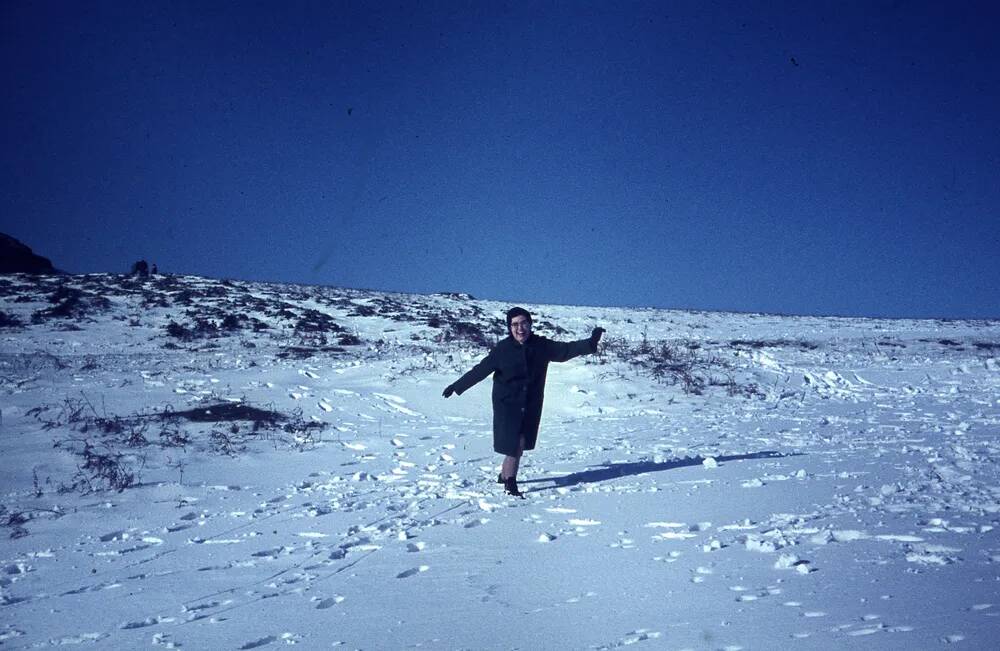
pixel 18 258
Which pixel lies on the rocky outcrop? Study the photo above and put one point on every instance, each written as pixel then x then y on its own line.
pixel 18 258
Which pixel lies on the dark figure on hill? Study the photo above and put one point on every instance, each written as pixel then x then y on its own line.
pixel 140 268
pixel 518 364
pixel 154 271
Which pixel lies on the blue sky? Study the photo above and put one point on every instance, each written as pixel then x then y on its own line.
pixel 806 158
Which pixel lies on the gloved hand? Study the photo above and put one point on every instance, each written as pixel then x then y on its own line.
pixel 448 390
pixel 595 338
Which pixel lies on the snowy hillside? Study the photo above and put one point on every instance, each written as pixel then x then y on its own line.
pixel 203 464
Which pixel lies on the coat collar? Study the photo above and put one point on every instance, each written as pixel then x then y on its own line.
pixel 532 340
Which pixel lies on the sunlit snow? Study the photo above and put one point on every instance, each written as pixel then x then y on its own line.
pixel 290 474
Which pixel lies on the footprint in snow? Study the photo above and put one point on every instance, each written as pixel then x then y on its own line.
pixel 793 562
pixel 404 410
pixel 199 607
pixel 149 621
pixel 272 553
pixel 576 600
pixel 672 533
pixel 582 526
pixel 396 403
pixel 623 542
pixel 745 595
pixel 78 639
pixel 700 573
pixel 114 536
pixel 329 602
pixel 412 571
pixel 163 639
pixel 634 637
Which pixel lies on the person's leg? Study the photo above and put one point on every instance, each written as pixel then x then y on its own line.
pixel 509 467
pixel 512 463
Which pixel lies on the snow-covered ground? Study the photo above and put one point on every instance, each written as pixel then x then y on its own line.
pixel 709 481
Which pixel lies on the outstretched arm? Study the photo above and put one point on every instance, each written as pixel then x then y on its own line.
pixel 563 351
pixel 477 374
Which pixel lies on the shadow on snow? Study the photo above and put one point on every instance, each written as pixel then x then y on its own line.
pixel 616 470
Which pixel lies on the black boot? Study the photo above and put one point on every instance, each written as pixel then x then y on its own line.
pixel 500 478
pixel 510 487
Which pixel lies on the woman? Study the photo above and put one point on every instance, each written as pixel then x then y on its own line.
pixel 519 363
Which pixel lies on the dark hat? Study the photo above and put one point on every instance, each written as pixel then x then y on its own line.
pixel 515 312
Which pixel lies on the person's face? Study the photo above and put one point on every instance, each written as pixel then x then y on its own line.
pixel 520 328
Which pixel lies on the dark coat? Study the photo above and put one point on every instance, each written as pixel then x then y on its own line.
pixel 519 385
